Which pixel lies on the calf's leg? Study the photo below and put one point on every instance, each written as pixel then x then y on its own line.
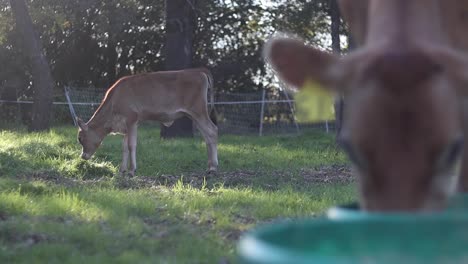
pixel 210 133
pixel 125 152
pixel 132 145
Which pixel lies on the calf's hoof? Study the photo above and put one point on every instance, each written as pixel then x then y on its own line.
pixel 212 170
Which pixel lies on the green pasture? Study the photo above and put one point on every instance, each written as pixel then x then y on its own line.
pixel 56 208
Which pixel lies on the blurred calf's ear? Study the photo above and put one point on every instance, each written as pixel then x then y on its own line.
pixel 296 63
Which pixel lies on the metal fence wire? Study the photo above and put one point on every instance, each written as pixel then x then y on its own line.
pixel 237 113
pixel 262 112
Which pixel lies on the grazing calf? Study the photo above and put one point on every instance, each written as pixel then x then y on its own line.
pixel 403 129
pixel 161 96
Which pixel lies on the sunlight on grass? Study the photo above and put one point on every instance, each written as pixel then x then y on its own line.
pixel 57 151
pixel 57 204
pixel 55 207
pixel 50 152
pixel 114 205
pixel 104 222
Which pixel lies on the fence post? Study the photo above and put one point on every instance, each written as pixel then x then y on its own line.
pixel 70 106
pixel 260 132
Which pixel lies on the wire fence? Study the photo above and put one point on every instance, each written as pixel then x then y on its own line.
pixel 263 112
pixel 20 112
pixel 260 112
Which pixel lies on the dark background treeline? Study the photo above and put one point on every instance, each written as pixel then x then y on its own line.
pixel 94 42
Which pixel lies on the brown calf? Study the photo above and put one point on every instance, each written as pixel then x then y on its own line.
pixel 161 96
pixel 454 22
pixel 402 130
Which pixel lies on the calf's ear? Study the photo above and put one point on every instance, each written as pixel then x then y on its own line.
pixel 82 124
pixel 297 64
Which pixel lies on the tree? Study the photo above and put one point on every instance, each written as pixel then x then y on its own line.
pixel 335 26
pixel 42 78
pixel 336 48
pixel 180 26
pixel 95 42
pixel 309 20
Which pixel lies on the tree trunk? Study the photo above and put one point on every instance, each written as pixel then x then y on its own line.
pixel 111 52
pixel 180 25
pixel 335 26
pixel 43 83
pixel 336 47
pixel 111 61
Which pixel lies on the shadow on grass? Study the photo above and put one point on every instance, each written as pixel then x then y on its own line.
pixel 153 225
pixel 11 163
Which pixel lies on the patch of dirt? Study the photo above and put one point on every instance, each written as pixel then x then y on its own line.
pixel 328 174
pixel 3 216
pixel 26 240
pixel 224 260
pixel 32 239
pixel 268 180
pixel 244 219
pixel 233 234
pixel 324 174
pixel 55 178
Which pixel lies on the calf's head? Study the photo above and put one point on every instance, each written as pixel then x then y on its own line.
pixel 402 127
pixel 88 138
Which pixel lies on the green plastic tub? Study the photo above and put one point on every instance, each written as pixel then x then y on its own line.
pixel 457 205
pixel 390 239
pixel 348 211
pixel 353 212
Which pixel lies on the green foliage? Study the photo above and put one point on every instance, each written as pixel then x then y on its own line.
pixel 92 43
pixel 308 19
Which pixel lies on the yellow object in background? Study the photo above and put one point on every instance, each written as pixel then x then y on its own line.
pixel 314 103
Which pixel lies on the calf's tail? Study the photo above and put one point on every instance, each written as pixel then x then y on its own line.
pixel 214 116
pixel 210 94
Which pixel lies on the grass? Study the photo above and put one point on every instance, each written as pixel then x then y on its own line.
pixel 56 208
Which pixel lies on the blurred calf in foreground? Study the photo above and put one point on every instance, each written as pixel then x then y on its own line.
pixel 403 128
